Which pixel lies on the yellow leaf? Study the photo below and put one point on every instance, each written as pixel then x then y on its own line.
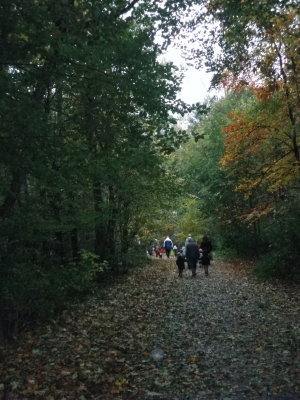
pixel 80 388
pixel 65 373
pixel 193 359
pixel 275 389
pixel 121 382
pixel 112 352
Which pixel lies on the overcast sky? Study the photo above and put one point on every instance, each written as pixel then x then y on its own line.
pixel 195 84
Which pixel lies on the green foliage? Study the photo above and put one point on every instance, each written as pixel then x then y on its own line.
pixel 211 190
pixel 190 220
pixel 133 258
pixel 87 113
pixel 281 262
pixel 31 292
pixel 281 255
pixel 253 226
pixel 81 277
pixel 40 290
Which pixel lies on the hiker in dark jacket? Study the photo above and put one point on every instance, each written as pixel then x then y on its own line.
pixel 192 255
pixel 180 263
pixel 206 248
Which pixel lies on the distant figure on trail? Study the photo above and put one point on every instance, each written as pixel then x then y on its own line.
pixel 187 239
pixel 175 250
pixel 180 263
pixel 160 251
pixel 206 248
pixel 182 250
pixel 150 251
pixel 192 254
pixel 168 245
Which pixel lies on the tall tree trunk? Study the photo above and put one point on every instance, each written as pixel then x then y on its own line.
pixel 110 244
pixel 124 223
pixel 7 206
pixel 74 244
pixel 61 248
pixel 19 176
pixel 99 231
pixel 291 110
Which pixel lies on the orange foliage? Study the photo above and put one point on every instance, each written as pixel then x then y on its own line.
pixel 231 82
pixel 258 145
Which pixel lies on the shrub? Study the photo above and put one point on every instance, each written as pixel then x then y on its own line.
pixel 280 262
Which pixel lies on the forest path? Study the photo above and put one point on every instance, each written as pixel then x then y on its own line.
pixel 226 336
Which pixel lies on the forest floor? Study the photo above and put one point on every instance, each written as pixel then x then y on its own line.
pixel 156 336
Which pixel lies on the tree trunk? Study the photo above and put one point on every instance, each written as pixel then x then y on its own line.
pixel 291 110
pixel 74 244
pixel 110 248
pixel 99 231
pixel 61 248
pixel 7 206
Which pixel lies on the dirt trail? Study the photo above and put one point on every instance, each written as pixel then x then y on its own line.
pixel 156 336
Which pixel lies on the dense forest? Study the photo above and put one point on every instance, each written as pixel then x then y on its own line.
pixel 94 165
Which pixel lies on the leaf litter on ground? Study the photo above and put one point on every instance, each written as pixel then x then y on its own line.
pixel 156 336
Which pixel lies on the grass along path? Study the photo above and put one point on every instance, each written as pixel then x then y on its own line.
pixel 226 336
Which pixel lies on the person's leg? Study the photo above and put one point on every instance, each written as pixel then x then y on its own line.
pixel 206 269
pixel 193 266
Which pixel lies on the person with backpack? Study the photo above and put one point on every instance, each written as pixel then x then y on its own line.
pixel 206 248
pixel 168 245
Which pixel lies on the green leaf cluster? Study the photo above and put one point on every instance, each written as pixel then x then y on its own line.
pixel 87 112
pixel 262 225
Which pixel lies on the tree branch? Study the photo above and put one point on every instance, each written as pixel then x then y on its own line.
pixel 124 10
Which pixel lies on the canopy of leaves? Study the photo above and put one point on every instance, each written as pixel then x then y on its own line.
pixel 87 114
pixel 243 179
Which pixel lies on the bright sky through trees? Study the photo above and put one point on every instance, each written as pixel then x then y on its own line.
pixel 195 85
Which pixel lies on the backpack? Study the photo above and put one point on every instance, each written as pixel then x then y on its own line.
pixel 168 244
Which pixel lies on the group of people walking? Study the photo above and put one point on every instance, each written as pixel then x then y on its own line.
pixel 192 253
pixel 166 248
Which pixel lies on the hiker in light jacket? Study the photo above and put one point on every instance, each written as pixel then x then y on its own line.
pixel 168 245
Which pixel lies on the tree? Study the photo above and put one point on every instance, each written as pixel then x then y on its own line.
pixel 87 111
pixel 257 45
pixel 252 47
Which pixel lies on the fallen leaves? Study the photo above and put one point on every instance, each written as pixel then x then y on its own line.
pixel 192 359
pixel 155 336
